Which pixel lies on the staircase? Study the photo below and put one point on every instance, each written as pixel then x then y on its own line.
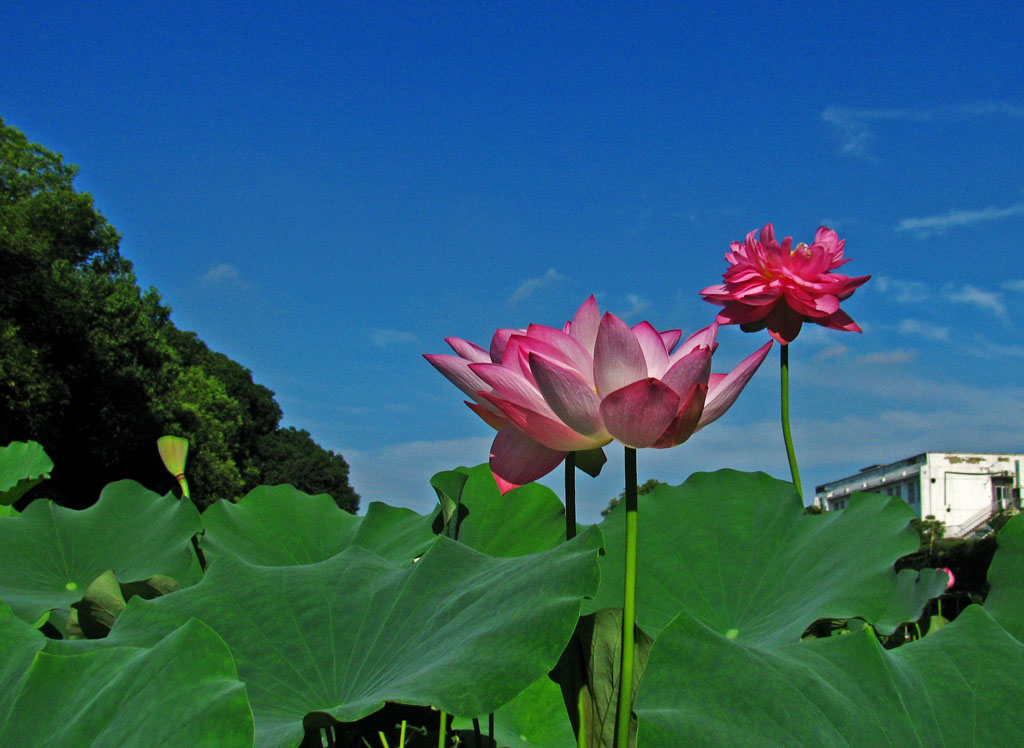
pixel 975 526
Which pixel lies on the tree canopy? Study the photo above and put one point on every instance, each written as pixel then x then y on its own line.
pixel 93 368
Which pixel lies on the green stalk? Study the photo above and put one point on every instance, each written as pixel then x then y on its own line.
pixel 628 608
pixel 570 496
pixel 786 435
pixel 441 730
pixel 581 709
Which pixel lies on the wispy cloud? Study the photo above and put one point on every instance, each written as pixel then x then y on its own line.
pixel 528 286
pixel 833 351
pixel 912 414
pixel 1014 285
pixel 223 275
pixel 887 358
pixel 923 329
pixel 854 128
pixel 383 338
pixel 637 305
pixel 931 225
pixel 400 473
pixel 901 291
pixel 988 300
pixel 990 349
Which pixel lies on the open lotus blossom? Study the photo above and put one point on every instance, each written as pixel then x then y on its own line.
pixel 550 392
pixel 780 287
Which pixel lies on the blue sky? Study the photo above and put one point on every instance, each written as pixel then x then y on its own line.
pixel 325 192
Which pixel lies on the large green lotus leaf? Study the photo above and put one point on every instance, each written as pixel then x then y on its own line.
pixel 282 526
pixel 737 551
pixel 1005 600
pixel 50 554
pixel 913 591
pixel 19 643
pixel 22 466
pixel 956 687
pixel 457 630
pixel 528 519
pixel 535 718
pixel 181 692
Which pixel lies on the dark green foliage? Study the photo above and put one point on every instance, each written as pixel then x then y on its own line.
pixel 967 558
pixel 649 485
pixel 92 367
pixel 289 455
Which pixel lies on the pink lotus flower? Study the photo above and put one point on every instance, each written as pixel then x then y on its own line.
pixel 952 579
pixel 550 392
pixel 771 285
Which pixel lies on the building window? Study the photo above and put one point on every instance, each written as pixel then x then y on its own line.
pixel 1002 491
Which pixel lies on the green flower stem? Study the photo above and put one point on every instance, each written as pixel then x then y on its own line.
pixel 441 730
pixel 790 452
pixel 628 608
pixel 199 553
pixel 570 496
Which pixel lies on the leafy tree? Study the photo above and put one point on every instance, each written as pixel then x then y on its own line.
pixel 290 455
pixel 930 530
pixel 93 368
pixel 647 487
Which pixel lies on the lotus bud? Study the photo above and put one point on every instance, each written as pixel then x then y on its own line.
pixel 173 451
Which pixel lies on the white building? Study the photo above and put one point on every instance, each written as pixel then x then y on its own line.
pixel 959 488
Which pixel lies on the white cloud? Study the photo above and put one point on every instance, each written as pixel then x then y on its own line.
pixel 990 349
pixel 853 417
pixel 528 286
pixel 224 275
pixel 852 127
pixel 931 225
pixel 382 338
pixel 836 432
pixel 833 351
pixel 981 108
pixel 637 305
pixel 1014 285
pixel 887 358
pixel 968 294
pixel 901 291
pixel 399 474
pixel 923 329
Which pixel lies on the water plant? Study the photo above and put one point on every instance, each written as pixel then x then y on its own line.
pixel 279 620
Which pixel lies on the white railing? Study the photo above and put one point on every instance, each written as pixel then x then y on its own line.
pixel 973 522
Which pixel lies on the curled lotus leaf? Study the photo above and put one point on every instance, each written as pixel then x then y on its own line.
pixel 49 554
